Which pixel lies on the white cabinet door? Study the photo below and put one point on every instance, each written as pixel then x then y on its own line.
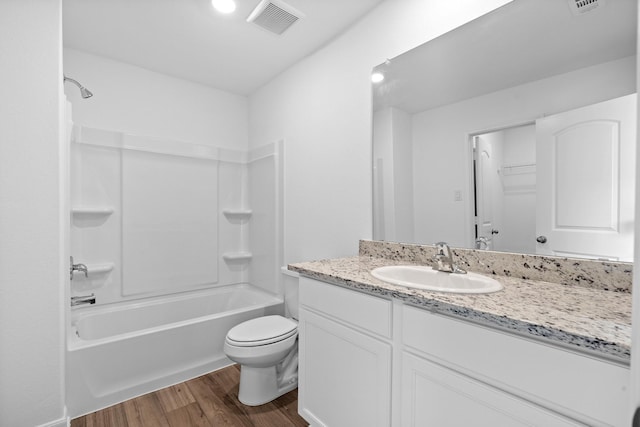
pixel 345 376
pixel 586 166
pixel 435 396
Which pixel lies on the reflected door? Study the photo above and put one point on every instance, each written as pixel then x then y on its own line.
pixel 585 182
pixel 486 170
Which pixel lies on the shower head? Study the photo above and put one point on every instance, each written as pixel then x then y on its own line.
pixel 84 92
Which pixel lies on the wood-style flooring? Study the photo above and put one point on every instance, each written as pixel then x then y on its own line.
pixel 209 400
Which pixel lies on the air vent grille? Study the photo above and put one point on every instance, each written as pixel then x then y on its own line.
pixel 274 16
pixel 579 7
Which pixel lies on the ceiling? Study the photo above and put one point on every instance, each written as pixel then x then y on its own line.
pixel 523 41
pixel 190 40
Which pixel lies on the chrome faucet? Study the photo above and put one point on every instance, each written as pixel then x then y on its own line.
pixel 77 267
pixel 84 299
pixel 444 259
pixel 482 243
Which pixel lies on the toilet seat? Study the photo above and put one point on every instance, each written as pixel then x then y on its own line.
pixel 262 331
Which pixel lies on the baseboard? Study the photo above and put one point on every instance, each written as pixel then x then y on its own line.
pixel 65 421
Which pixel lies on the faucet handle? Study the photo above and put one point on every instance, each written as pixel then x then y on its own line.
pixel 77 267
pixel 444 259
pixel 442 248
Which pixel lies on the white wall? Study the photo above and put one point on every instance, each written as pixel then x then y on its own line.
pixel 32 244
pixel 321 108
pixel 134 100
pixel 451 125
pixel 403 175
pixel 392 153
pixel 383 175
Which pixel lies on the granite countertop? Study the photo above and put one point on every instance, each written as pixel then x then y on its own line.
pixel 594 320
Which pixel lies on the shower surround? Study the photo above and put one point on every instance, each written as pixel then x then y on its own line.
pixel 166 229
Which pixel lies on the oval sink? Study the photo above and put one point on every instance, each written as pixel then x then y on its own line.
pixel 422 277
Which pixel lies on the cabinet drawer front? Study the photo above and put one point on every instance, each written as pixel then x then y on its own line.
pixel 435 396
pixel 364 311
pixel 591 390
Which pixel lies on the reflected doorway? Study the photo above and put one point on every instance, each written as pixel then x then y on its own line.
pixel 504 178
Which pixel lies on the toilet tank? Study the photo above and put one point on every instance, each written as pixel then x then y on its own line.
pixel 290 285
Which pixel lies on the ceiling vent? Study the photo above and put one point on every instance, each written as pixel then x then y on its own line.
pixel 580 7
pixel 274 16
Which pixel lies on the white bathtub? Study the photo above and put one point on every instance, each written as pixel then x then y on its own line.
pixel 118 352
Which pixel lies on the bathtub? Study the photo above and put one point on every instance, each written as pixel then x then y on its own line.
pixel 125 350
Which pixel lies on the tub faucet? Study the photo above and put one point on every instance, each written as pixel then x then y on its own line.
pixel 444 259
pixel 84 299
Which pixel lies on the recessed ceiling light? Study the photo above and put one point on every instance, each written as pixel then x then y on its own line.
pixel 377 77
pixel 224 6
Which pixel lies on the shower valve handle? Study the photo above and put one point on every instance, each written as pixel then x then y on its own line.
pixel 77 267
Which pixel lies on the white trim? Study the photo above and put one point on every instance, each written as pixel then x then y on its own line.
pixel 634 380
pixel 262 152
pixel 65 421
pixel 121 140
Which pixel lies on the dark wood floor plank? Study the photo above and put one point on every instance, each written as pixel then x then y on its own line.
pixel 216 404
pixel 117 415
pixel 79 422
pixel 288 405
pixel 112 416
pixel 145 411
pixel 209 400
pixel 174 397
pixel 190 415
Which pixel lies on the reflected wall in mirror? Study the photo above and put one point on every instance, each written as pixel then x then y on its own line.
pixel 546 94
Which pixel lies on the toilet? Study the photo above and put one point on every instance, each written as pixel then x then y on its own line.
pixel 267 350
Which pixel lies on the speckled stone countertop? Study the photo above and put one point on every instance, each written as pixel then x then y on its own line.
pixel 587 318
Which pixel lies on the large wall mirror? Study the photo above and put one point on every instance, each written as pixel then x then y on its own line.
pixel 515 132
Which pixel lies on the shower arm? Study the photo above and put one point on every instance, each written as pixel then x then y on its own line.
pixel 75 82
pixel 84 92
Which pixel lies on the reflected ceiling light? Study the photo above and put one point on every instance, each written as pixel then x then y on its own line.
pixel 377 77
pixel 224 6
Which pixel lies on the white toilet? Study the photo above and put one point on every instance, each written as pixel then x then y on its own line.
pixel 267 350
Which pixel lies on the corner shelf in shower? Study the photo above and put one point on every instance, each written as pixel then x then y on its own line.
pixel 243 214
pixel 91 211
pixel 237 256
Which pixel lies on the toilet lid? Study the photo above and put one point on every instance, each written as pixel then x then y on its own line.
pixel 262 331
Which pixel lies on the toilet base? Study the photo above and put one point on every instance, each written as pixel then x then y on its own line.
pixel 262 385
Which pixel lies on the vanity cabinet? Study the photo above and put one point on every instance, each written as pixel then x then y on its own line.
pixel 502 378
pixel 367 360
pixel 345 357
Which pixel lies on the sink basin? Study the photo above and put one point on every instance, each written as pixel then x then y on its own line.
pixel 427 278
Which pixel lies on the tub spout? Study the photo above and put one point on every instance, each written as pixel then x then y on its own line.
pixel 84 299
